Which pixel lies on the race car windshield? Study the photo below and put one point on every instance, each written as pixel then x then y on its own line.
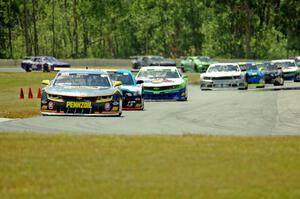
pixel 223 68
pixel 285 64
pixel 82 79
pixel 157 58
pixel 270 67
pixel 203 59
pixel 125 78
pixel 158 74
pixel 248 67
pixel 51 59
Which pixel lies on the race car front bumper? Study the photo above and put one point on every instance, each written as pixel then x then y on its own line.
pixel 222 83
pixel 81 108
pixel 165 95
pixel 132 102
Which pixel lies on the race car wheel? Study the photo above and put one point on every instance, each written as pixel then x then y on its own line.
pixel 46 68
pixel 27 68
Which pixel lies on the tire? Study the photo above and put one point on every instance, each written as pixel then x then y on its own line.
pixel 27 68
pixel 46 68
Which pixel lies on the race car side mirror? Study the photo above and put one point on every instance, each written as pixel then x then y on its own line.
pixel 46 82
pixel 117 83
pixel 279 68
pixel 243 69
pixel 139 81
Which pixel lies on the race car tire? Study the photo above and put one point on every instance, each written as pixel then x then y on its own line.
pixel 27 68
pixel 46 68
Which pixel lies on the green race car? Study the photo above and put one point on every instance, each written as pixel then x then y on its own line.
pixel 196 64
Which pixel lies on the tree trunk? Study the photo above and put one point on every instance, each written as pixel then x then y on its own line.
pixel 36 42
pixel 75 34
pixel 25 27
pixel 9 30
pixel 53 28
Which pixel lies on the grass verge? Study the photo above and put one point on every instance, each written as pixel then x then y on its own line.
pixel 10 104
pixel 90 166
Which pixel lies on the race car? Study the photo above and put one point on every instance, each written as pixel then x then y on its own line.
pixel 81 93
pixel 42 63
pixel 272 73
pixel 290 70
pixel 133 91
pixel 196 64
pixel 139 61
pixel 223 75
pixel 254 74
pixel 163 83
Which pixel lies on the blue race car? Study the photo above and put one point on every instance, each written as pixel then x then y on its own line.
pixel 133 91
pixel 254 74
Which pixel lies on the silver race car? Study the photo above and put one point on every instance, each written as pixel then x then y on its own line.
pixel 81 92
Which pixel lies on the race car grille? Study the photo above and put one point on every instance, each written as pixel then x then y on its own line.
pixel 161 88
pixel 221 78
pixel 164 96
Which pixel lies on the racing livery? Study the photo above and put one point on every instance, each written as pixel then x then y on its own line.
pixel 196 64
pixel 254 74
pixel 272 73
pixel 290 70
pixel 163 83
pixel 133 91
pixel 139 61
pixel 42 63
pixel 81 92
pixel 223 75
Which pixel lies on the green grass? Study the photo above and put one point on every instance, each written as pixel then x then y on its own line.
pixel 10 104
pixel 90 166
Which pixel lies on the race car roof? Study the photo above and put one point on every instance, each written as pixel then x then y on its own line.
pixel 283 60
pixel 87 71
pixel 158 67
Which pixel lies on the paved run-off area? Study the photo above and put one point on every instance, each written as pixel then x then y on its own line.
pixel 229 112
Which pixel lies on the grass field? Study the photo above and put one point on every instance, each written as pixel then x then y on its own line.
pixel 10 83
pixel 86 166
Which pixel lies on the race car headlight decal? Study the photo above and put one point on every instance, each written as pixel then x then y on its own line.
pixel 57 98
pixel 104 99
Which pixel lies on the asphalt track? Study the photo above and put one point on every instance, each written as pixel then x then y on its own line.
pixel 259 112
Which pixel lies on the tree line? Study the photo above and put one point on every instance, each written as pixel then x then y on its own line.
pixel 256 29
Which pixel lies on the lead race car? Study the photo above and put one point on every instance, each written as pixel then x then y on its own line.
pixel 81 93
pixel 163 83
pixel 133 91
pixel 254 74
pixel 223 75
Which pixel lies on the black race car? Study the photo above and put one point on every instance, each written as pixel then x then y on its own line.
pixel 139 61
pixel 273 74
pixel 42 63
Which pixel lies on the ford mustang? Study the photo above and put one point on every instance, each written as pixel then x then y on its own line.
pixel 254 74
pixel 223 75
pixel 290 70
pixel 42 63
pixel 133 91
pixel 163 83
pixel 81 92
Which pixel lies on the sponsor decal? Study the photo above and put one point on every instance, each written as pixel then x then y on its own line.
pixel 51 105
pixel 115 103
pixel 78 105
pixel 107 106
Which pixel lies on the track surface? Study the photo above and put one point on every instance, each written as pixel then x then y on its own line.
pixel 230 112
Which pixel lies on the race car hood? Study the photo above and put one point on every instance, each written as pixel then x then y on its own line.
pixel 79 91
pixel 163 82
pixel 131 88
pixel 222 74
pixel 252 72
pixel 289 69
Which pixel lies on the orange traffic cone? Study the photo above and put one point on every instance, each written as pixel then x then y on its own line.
pixel 30 94
pixel 21 96
pixel 39 94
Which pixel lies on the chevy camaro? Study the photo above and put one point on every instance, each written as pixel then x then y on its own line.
pixel 81 92
pixel 163 83
pixel 223 75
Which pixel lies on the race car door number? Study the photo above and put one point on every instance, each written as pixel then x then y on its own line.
pixel 78 105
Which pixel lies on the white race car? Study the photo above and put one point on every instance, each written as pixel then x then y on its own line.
pixel 223 75
pixel 163 83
